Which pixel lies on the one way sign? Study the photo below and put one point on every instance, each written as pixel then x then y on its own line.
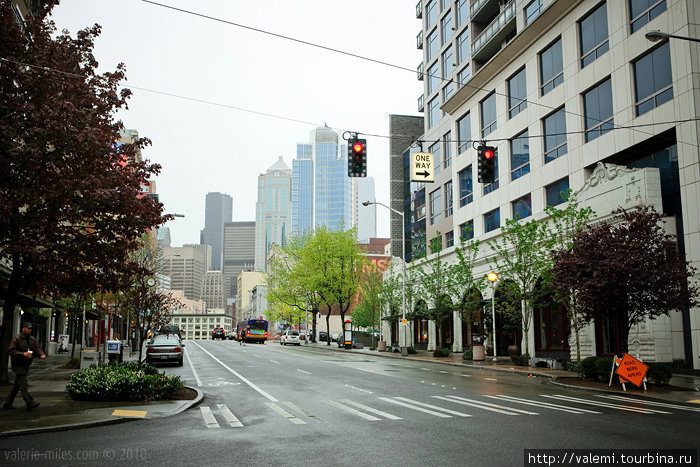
pixel 422 169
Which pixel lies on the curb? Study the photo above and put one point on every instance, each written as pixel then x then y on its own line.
pixel 554 382
pixel 96 423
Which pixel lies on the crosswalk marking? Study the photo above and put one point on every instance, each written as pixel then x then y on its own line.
pixel 434 407
pixel 485 405
pixel 544 405
pixel 304 412
pixel 629 408
pixel 420 409
pixel 230 417
pixel 370 409
pixel 305 372
pixel 285 414
pixel 352 411
pixel 209 417
pixel 658 404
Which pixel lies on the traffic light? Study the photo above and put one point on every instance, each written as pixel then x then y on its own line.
pixel 357 157
pixel 486 158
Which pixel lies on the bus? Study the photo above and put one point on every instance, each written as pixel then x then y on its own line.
pixel 252 330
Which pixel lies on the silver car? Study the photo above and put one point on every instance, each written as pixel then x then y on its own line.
pixel 290 337
pixel 165 348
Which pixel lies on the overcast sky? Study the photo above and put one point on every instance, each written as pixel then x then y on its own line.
pixel 205 147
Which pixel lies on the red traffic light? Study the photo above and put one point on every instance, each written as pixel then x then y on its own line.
pixel 357 147
pixel 488 154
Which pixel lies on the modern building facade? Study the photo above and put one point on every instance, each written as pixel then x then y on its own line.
pixel 321 188
pixel 572 96
pixel 213 289
pixel 186 267
pixel 247 281
pixel 273 211
pixel 239 254
pixel 218 210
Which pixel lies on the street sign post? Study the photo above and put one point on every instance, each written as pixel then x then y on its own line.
pixel 422 168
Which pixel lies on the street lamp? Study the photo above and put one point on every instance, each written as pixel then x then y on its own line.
pixel 403 262
pixel 656 36
pixel 493 277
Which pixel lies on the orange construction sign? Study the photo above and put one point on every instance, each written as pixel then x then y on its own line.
pixel 632 370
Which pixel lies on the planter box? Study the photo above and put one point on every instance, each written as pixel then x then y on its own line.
pixel 478 353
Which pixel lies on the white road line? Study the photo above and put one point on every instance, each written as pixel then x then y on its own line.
pixel 304 412
pixel 230 417
pixel 434 407
pixel 196 376
pixel 241 377
pixel 440 371
pixel 284 413
pixel 466 375
pixel 658 404
pixel 426 369
pixel 629 408
pixel 543 405
pixel 209 417
pixel 275 362
pixel 305 372
pixel 486 405
pixel 359 389
pixel 370 409
pixel 351 410
pixel 420 409
pixel 491 379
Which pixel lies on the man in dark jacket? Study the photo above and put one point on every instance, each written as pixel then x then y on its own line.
pixel 22 349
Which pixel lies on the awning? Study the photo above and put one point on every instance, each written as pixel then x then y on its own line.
pixel 31 302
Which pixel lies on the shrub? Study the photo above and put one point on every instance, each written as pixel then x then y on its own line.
pixel 121 382
pixel 411 350
pixel 588 367
pixel 468 355
pixel 521 360
pixel 603 368
pixel 574 367
pixel 440 352
pixel 659 373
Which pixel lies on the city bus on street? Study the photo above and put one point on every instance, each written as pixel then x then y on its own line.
pixel 252 330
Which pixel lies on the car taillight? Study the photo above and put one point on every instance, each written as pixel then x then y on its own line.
pixel 150 350
pixel 265 333
pixel 248 332
pixel 177 349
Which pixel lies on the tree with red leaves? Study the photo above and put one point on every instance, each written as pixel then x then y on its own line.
pixel 629 270
pixel 71 208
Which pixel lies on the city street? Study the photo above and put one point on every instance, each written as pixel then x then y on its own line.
pixel 272 404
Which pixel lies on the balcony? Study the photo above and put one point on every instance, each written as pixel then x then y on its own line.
pixel 420 71
pixel 421 107
pixel 419 41
pixel 419 10
pixel 488 42
pixel 481 10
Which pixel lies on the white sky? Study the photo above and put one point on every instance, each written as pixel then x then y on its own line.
pixel 205 147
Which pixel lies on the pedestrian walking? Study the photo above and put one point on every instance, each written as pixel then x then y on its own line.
pixel 22 349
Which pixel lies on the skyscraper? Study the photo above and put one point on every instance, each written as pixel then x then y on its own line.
pixel 321 188
pixel 273 211
pixel 239 253
pixel 218 210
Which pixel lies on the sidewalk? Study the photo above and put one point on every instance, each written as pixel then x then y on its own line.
pixel 47 383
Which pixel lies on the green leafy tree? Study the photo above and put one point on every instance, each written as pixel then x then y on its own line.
pixel 463 285
pixel 71 207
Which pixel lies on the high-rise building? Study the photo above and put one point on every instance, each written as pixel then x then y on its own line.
pixel 365 216
pixel 213 290
pixel 218 210
pixel 239 254
pixel 321 188
pixel 186 267
pixel 273 211
pixel 572 96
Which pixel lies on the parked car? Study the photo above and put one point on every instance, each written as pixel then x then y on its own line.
pixel 323 336
pixel 164 348
pixel 290 336
pixel 334 337
pixel 218 333
pixel 170 329
pixel 232 335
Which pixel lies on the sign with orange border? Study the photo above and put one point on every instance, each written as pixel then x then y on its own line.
pixel 632 370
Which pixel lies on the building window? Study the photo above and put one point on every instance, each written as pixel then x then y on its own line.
pixel 557 191
pixel 437 157
pixel 447 91
pixel 643 11
pixel 594 35
pixel 598 109
pixel 446 27
pixel 448 199
pixel 522 207
pixel 433 78
pixel 432 45
pixel 462 12
pixel 435 206
pixel 492 220
pixel 443 4
pixel 433 112
pixel 464 133
pixel 466 230
pixel 488 115
pixel 466 187
pixel 463 75
pixel 652 79
pixel 447 149
pixel 551 67
pixel 519 156
pixel 448 65
pixel 517 94
pixel 463 46
pixel 554 135
pixel 450 239
pixel 533 10
pixel 493 186
pixel 430 14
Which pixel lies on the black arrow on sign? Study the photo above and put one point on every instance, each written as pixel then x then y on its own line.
pixel 424 173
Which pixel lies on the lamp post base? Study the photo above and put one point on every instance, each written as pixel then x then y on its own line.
pixel 404 351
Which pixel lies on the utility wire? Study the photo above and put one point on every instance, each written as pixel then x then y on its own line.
pixel 381 62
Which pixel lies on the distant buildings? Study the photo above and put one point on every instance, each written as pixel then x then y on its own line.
pixel 239 254
pixel 365 217
pixel 218 210
pixel 273 211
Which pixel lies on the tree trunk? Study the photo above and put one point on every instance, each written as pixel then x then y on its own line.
pixel 328 327
pixel 525 326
